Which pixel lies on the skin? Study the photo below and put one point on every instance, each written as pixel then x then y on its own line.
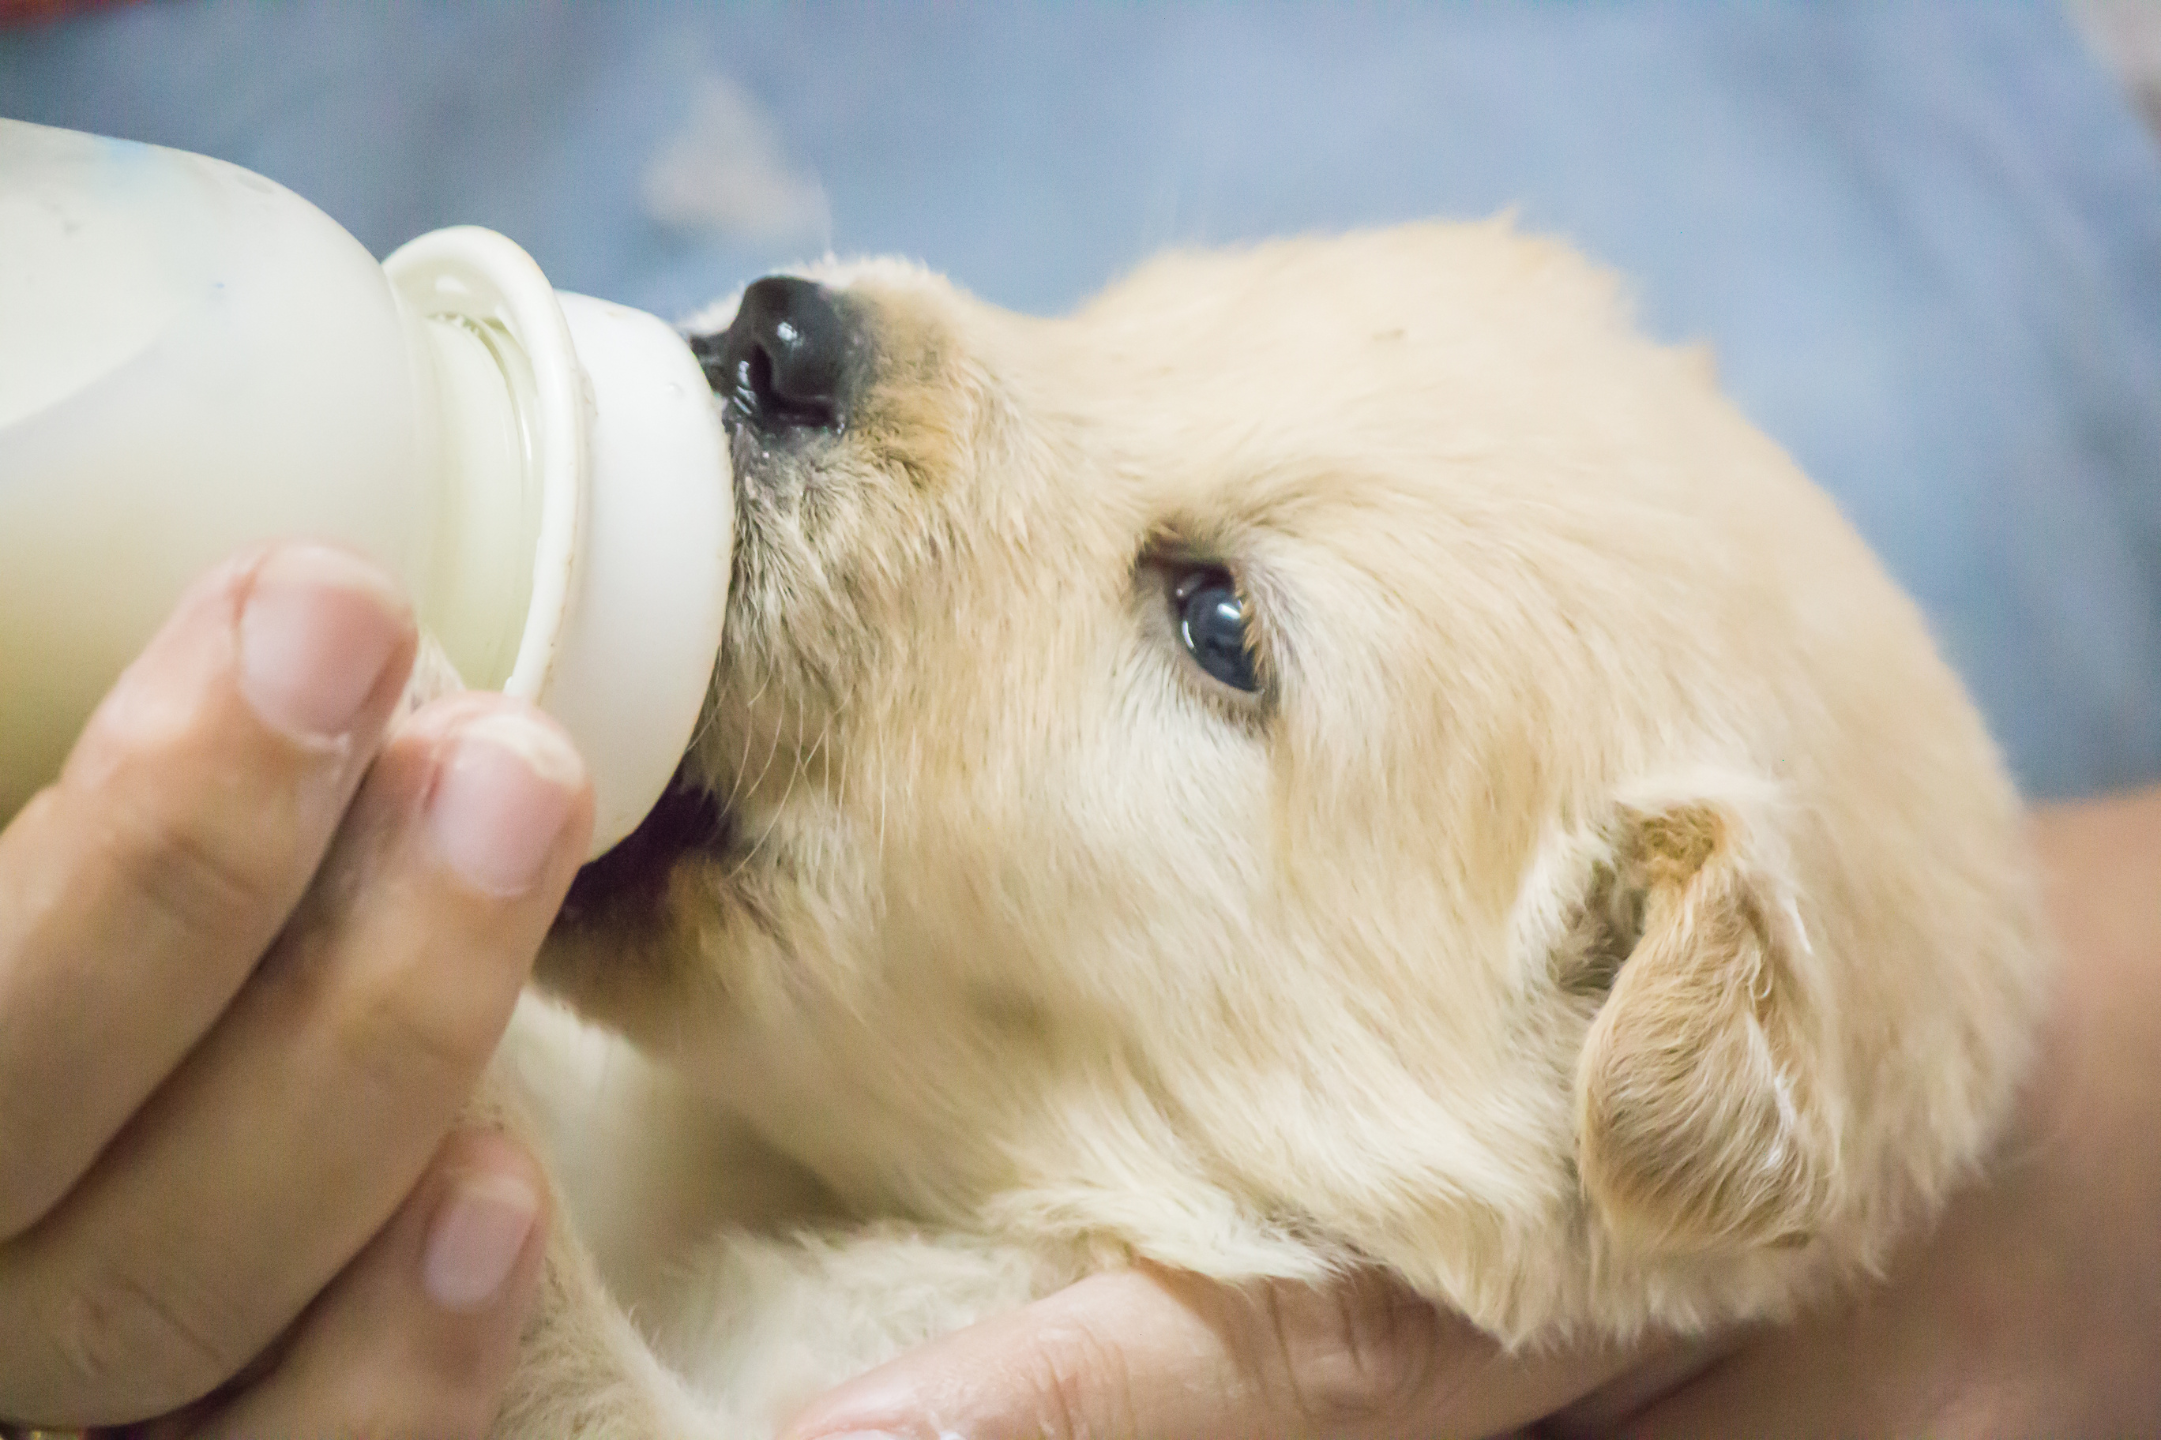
pixel 256 945
pixel 2033 1309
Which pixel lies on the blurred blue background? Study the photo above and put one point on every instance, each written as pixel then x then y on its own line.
pixel 1924 238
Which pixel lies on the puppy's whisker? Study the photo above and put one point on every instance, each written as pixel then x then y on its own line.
pixel 840 801
pixel 772 752
pixel 742 768
pixel 787 790
pixel 708 721
pixel 797 771
pixel 881 817
pixel 742 762
pixel 803 762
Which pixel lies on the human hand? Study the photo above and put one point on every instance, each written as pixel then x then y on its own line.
pixel 2035 1308
pixel 256 945
pixel 1150 1353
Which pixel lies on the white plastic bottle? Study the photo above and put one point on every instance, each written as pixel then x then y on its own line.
pixel 193 359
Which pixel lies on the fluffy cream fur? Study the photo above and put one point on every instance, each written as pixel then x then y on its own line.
pixel 1609 913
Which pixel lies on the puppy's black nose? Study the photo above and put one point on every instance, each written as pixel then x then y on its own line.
pixel 792 360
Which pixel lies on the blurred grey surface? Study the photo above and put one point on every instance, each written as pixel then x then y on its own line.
pixel 1924 236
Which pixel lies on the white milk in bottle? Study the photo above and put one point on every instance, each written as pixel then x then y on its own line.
pixel 194 359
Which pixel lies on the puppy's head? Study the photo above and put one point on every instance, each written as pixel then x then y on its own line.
pixel 1337 751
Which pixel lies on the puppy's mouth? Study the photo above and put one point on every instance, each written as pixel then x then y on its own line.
pixel 630 882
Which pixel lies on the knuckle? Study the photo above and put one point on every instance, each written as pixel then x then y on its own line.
pixel 444 1408
pixel 1081 1383
pixel 423 1023
pixel 126 1341
pixel 194 865
pixel 1356 1352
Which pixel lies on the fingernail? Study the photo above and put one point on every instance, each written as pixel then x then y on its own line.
pixel 501 801
pixel 317 629
pixel 476 1240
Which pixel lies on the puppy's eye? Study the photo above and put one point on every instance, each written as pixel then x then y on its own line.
pixel 1211 618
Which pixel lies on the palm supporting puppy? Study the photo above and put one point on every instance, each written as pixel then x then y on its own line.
pixel 1334 754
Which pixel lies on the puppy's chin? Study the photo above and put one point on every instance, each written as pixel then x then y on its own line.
pixel 626 888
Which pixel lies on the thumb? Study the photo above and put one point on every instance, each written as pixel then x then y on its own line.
pixel 1147 1353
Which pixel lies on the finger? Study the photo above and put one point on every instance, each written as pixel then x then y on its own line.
pixel 138 890
pixel 1148 1352
pixel 418 1337
pixel 300 1123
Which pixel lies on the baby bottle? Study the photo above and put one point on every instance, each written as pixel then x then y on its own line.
pixel 194 359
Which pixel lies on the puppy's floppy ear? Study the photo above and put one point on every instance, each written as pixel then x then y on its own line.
pixel 1703 1112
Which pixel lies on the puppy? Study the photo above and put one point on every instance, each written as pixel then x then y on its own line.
pixel 1338 753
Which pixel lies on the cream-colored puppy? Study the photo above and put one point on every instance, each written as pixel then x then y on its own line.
pixel 1336 753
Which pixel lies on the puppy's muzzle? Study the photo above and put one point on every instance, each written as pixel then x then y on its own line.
pixel 792 364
